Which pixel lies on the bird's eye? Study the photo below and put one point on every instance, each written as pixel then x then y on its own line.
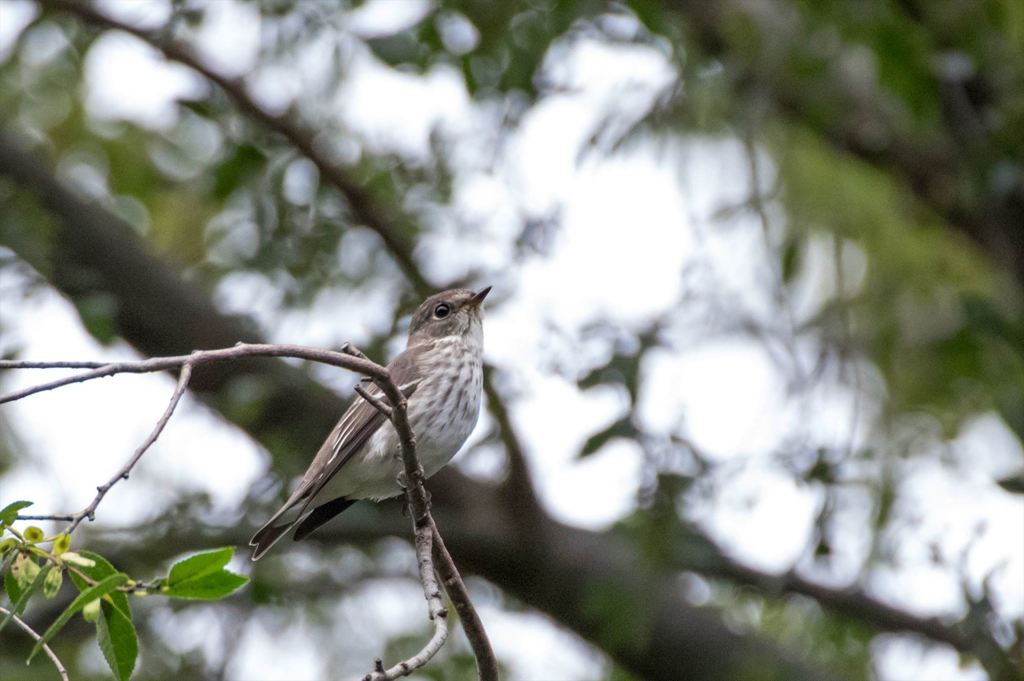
pixel 442 311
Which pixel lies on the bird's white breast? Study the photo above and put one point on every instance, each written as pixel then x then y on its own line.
pixel 442 412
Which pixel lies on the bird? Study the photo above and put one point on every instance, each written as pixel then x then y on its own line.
pixel 441 373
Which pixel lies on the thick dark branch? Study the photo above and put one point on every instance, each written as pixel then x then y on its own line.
pixel 852 602
pixel 487 663
pixel 517 490
pixel 366 209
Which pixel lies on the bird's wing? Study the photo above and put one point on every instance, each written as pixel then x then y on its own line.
pixel 356 426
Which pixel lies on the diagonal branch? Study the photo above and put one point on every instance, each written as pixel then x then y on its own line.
pixel 46 646
pixel 101 491
pixel 392 229
pixel 459 595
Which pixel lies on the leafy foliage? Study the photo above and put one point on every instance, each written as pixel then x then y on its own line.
pixel 28 568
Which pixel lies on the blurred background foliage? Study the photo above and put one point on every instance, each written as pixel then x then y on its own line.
pixel 882 159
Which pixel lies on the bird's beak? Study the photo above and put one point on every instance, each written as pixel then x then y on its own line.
pixel 478 297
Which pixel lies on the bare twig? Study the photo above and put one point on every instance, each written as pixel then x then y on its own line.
pixel 122 474
pixel 345 360
pixel 198 358
pixel 46 647
pixel 419 508
pixel 377 404
pixel 427 539
pixel 435 608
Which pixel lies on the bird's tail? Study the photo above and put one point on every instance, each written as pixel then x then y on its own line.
pixel 267 536
pixel 285 519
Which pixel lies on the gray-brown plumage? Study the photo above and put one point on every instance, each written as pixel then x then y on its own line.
pixel 441 373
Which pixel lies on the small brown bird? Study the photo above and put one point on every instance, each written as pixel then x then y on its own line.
pixel 360 460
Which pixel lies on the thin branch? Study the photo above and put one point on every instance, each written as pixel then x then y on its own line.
pixel 350 358
pixel 345 360
pixel 27 364
pixel 46 647
pixel 377 404
pixel 200 357
pixel 122 474
pixel 435 608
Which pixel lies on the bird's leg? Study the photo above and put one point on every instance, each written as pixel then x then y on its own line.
pixel 401 480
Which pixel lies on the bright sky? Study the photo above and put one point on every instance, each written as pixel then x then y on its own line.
pixel 628 225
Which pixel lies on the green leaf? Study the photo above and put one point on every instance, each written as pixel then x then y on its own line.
pixel 203 576
pixel 24 596
pixel 25 571
pixel 61 543
pixel 11 584
pixel 199 565
pixel 10 512
pixel 97 312
pixel 246 161
pixel 115 632
pixel 1013 484
pixel 118 640
pixel 210 588
pixel 5 571
pixel 101 569
pixel 791 256
pixel 92 593
pixel 52 583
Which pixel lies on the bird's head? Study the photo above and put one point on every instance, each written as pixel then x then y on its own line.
pixel 458 312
